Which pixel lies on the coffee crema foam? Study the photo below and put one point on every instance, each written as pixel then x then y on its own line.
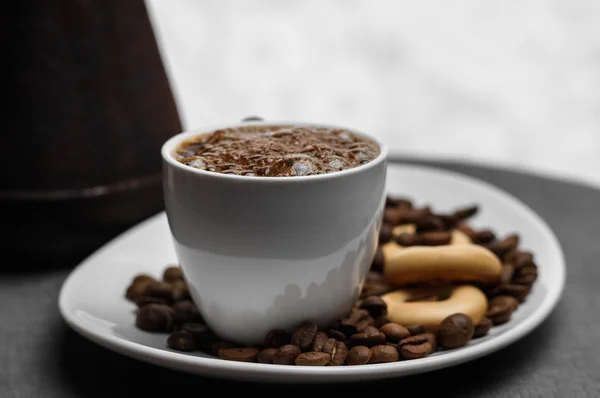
pixel 276 151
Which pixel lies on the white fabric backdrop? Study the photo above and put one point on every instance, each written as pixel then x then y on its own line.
pixel 515 83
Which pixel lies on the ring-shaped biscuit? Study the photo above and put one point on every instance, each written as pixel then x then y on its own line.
pixel 465 299
pixel 440 264
pixel 390 248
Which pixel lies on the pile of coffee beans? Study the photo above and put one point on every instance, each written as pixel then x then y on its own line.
pixel 366 335
pixel 519 271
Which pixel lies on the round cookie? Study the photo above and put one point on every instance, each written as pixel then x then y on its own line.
pixel 465 299
pixel 390 248
pixel 440 264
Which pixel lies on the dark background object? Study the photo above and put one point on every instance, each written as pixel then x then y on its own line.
pixel 42 357
pixel 88 107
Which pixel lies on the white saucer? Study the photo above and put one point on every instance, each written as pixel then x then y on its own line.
pixel 92 302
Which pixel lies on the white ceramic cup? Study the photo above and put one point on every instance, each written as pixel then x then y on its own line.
pixel 264 253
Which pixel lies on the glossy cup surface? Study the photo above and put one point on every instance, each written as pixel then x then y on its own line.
pixel 261 253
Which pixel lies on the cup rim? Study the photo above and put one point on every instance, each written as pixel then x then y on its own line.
pixel 170 144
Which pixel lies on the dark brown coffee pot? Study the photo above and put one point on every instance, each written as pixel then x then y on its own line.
pixel 87 107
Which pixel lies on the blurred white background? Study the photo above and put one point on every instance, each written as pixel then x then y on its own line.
pixel 513 83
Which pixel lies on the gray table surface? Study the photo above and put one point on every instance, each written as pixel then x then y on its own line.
pixel 40 356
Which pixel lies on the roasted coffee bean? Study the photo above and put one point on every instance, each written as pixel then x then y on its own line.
pixel 338 351
pixel 394 332
pixel 138 286
pixel 507 273
pixel 504 302
pixel 492 290
pixel 413 216
pixel 177 295
pixel 414 340
pixel 511 256
pixel 362 325
pixel 374 289
pixel 405 204
pixel 432 340
pixel 155 318
pixel 266 355
pixel 501 308
pixel 466 229
pixel 417 346
pixel 172 274
pixel 320 339
pixel 181 291
pixel 286 354
pixel 374 277
pixel 142 278
pixel 394 216
pixel 398 202
pixel 482 328
pixel 415 329
pixel 196 328
pixel 145 300
pixel 484 236
pixel 383 353
pixel 519 292
pixel 405 239
pixel 217 345
pixel 160 289
pixel 381 320
pixel 526 280
pixel 429 224
pixel 395 345
pixel 375 305
pixel 202 335
pixel 385 233
pixel 503 246
pixel 466 212
pixel 377 263
pixel 276 338
pixel 527 270
pixel 524 259
pixel 313 358
pixel 244 354
pixel 390 202
pixel 410 351
pixel 358 355
pixel 436 238
pixel 347 327
pixel 304 335
pixel 455 331
pixel 336 334
pixel 181 340
pixel 526 275
pixel 519 258
pixel 350 325
pixel 358 314
pixel 186 312
pixel 370 329
pixel 366 339
pixel 450 221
